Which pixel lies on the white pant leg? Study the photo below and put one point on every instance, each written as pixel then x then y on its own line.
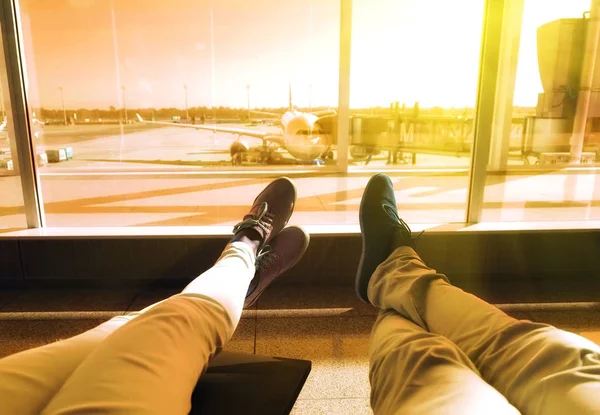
pixel 228 280
pixel 30 379
pixel 413 371
pixel 540 369
pixel 151 365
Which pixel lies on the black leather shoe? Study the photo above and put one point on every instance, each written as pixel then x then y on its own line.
pixel 382 230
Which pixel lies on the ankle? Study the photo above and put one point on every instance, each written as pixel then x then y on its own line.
pixel 401 238
pixel 250 237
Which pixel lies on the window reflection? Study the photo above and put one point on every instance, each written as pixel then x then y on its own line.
pixel 12 213
pixel 540 168
pixel 414 79
pixel 125 89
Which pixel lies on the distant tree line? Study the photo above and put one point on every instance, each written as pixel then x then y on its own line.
pixel 197 114
pixel 113 113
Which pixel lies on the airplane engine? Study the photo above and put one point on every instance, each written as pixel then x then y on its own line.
pixel 237 150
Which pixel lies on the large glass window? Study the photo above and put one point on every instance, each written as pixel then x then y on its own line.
pixel 178 113
pixel 12 213
pixel 414 75
pixel 545 150
pixel 136 100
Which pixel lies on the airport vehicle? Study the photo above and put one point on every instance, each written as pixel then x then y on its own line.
pixel 306 136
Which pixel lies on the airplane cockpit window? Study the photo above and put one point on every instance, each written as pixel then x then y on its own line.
pixel 308 132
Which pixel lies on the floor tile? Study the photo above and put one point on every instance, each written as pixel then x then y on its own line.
pixel 354 406
pixel 340 299
pixel 243 337
pixel 337 347
pixel 576 321
pixel 72 300
pixel 19 335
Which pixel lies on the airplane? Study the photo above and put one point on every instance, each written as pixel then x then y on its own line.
pixel 306 136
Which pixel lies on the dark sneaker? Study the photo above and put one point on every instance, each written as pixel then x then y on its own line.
pixel 271 209
pixel 382 230
pixel 272 260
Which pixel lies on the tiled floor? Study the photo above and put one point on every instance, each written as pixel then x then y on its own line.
pixel 327 326
pixel 196 200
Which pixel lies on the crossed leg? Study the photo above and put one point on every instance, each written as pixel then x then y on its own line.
pixel 174 340
pixel 434 344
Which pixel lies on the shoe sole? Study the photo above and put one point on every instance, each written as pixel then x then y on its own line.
pixel 358 283
pixel 302 251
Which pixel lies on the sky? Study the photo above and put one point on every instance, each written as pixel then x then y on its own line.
pixel 144 53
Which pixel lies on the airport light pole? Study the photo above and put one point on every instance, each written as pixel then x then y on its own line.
pixel 248 97
pixel 2 103
pixel 124 103
pixel 62 100
pixel 187 115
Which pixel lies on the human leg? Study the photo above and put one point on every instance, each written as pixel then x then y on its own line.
pixel 412 371
pixel 28 380
pixel 152 364
pixel 539 368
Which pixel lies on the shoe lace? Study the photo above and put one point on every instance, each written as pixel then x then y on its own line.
pixel 400 223
pixel 262 219
pixel 265 258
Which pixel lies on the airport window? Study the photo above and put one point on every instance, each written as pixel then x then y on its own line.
pixel 152 113
pixel 544 143
pixel 413 92
pixel 137 102
pixel 12 209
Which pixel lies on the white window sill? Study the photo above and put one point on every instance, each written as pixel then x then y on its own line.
pixel 314 230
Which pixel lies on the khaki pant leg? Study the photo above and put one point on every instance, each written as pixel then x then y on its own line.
pixel 413 371
pixel 540 369
pixel 29 379
pixel 150 365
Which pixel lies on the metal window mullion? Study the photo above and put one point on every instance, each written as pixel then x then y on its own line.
pixel 343 126
pixel 505 89
pixel 485 106
pixel 18 113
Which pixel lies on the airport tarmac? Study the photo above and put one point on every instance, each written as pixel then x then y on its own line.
pixel 159 176
pixel 108 147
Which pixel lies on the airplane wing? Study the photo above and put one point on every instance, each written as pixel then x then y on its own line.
pixel 269 114
pixel 324 113
pixel 215 128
